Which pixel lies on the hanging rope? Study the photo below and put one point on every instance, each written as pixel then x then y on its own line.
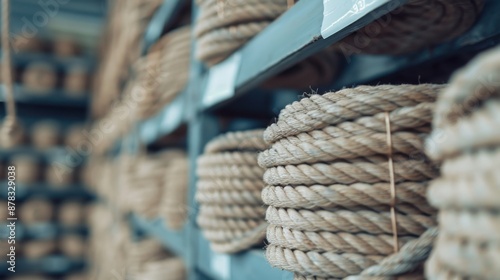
pixel 9 125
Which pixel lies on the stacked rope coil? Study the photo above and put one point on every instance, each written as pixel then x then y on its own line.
pixel 344 200
pixel 224 26
pixel 174 205
pixel 231 213
pixel 144 194
pixel 466 139
pixel 148 260
pixel 109 244
pixel 164 72
pixel 414 26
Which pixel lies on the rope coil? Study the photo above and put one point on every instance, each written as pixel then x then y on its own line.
pixel 224 26
pixel 416 25
pixel 467 193
pixel 229 189
pixel 347 178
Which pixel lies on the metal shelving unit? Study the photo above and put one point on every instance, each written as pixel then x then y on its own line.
pixel 42 231
pixel 42 190
pixel 297 34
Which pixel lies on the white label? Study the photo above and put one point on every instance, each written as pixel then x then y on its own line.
pixel 221 265
pixel 221 80
pixel 337 15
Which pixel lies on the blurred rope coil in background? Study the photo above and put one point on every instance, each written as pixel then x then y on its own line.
pixel 174 201
pixel 414 26
pixel 224 26
pixel 466 138
pixel 122 51
pixel 332 210
pixel 231 213
pixel 148 260
pixel 163 72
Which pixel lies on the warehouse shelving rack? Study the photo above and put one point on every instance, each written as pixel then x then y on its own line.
pixel 298 33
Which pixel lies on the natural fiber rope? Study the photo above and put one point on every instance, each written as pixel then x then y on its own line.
pixel 174 205
pixel 410 196
pixel 347 180
pixel 320 111
pixel 416 25
pixel 9 125
pixel 466 194
pixel 224 26
pixel 229 189
pixel 163 72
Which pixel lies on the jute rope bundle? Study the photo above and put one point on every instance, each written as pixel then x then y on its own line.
pixel 416 25
pixel 157 185
pixel 223 26
pixel 173 268
pixel 467 194
pixel 230 181
pixel 174 205
pixel 347 179
pixel 164 72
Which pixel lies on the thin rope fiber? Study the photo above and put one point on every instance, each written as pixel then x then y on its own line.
pixel 10 133
pixel 232 215
pixel 224 26
pixel 467 193
pixel 416 25
pixel 346 178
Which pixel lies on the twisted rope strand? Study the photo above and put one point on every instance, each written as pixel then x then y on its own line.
pixel 348 221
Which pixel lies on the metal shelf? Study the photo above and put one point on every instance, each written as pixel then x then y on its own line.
pixel 60 63
pixel 42 230
pixel 166 121
pixel 44 190
pixel 53 97
pixel 162 20
pixel 297 34
pixel 174 241
pixel 54 265
pixel 248 265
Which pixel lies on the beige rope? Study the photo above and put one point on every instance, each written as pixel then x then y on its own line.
pixel 320 111
pixel 9 126
pixel 416 25
pixel 466 194
pixel 229 189
pixel 332 171
pixel 410 196
pixel 174 204
pixel 224 26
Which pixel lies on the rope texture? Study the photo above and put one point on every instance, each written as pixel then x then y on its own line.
pixel 231 214
pixel 174 205
pixel 224 26
pixel 416 25
pixel 467 193
pixel 328 190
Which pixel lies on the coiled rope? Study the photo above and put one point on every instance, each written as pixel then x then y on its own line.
pixel 229 192
pixel 346 181
pixel 164 72
pixel 174 205
pixel 224 26
pixel 10 132
pixel 414 26
pixel 466 139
